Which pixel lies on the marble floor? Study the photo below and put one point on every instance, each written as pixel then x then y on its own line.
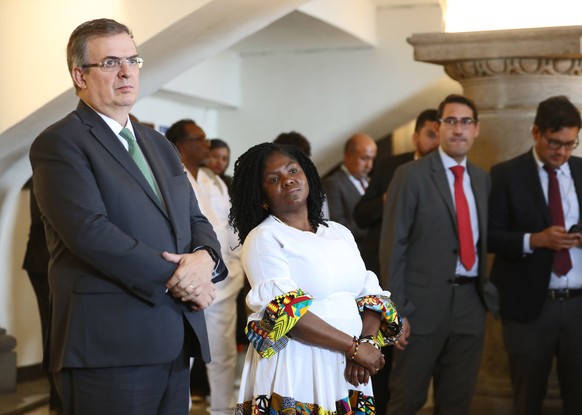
pixel 492 397
pixel 198 409
pixel 31 398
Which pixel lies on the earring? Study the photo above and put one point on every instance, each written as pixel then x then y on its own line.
pixel 265 206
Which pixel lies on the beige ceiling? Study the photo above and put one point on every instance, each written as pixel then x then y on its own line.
pixel 402 3
pixel 298 32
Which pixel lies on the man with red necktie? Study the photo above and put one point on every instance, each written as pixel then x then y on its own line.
pixel 535 199
pixel 433 257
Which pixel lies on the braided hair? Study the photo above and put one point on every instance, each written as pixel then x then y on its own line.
pixel 247 196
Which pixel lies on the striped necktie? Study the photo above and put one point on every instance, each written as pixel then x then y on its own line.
pixel 137 156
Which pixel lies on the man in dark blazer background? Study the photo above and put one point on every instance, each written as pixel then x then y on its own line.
pixel 435 273
pixel 541 303
pixel 345 186
pixel 133 261
pixel 36 260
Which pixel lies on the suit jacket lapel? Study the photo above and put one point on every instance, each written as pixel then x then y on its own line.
pixel 480 187
pixel 479 191
pixel 155 167
pixel 351 187
pixel 439 176
pixel 109 140
pixel 576 170
pixel 531 176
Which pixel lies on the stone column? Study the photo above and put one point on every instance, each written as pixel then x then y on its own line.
pixel 507 73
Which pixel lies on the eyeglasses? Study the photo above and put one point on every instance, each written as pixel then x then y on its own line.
pixel 199 138
pixel 112 64
pixel 554 144
pixel 452 122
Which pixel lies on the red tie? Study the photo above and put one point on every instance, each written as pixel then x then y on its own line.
pixel 562 261
pixel 467 246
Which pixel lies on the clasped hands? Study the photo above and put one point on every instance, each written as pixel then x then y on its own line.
pixel 367 361
pixel 192 280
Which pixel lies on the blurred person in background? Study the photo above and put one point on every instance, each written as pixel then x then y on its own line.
pixel 219 159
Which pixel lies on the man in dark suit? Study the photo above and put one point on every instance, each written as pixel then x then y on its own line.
pixel 132 258
pixel 345 186
pixel 368 210
pixel 36 260
pixel 535 198
pixel 368 215
pixel 433 257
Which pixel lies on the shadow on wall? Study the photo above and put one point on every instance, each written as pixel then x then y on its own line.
pixel 393 118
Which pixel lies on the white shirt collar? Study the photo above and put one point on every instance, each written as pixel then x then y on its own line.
pixel 114 125
pixel 449 162
pixel 564 168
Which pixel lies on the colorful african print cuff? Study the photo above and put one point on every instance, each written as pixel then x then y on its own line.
pixel 391 323
pixel 269 335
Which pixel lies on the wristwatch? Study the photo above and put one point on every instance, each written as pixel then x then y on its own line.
pixel 212 254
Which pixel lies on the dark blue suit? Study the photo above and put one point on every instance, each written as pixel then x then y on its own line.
pixel 536 329
pixel 106 231
pixel 368 211
pixel 517 206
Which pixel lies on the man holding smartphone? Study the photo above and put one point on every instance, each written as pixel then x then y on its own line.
pixel 534 210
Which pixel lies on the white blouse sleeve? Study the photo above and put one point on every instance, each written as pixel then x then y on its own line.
pixel 266 267
pixel 276 301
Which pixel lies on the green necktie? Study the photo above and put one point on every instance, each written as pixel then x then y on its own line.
pixel 137 156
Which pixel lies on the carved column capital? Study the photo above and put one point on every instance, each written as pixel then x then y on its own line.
pixel 508 69
pixel 484 68
pixel 507 73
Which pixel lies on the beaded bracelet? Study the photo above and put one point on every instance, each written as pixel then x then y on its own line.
pixel 370 341
pixel 356 341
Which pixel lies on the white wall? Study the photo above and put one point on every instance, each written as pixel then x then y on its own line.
pixel 163 112
pixel 216 80
pixel 351 16
pixel 329 95
pixel 33 37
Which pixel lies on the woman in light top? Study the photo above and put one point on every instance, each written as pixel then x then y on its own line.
pixel 219 159
pixel 318 316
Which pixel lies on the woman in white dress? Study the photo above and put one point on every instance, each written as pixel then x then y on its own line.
pixel 318 317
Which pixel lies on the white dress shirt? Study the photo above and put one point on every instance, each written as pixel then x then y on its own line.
pixel 571 208
pixel 449 162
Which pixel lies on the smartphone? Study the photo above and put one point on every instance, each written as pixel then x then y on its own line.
pixel 575 228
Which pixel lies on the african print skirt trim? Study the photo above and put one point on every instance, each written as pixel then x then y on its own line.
pixel 355 404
